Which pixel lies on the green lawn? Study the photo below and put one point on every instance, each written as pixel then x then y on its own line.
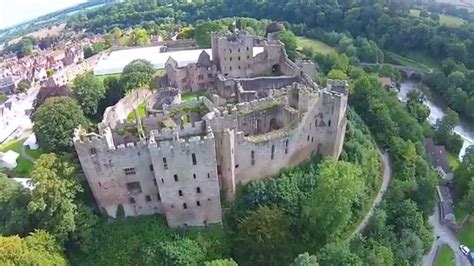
pixel 466 235
pixel 443 19
pixel 141 112
pixel 459 212
pixel 315 45
pixel 445 256
pixel 24 166
pixel 3 98
pixel 423 59
pixel 102 77
pixel 188 96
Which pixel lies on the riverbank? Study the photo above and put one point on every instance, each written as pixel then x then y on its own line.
pixel 437 110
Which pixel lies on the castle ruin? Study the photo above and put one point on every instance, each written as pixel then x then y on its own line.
pixel 258 112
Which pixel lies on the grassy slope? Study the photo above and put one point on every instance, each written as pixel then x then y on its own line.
pixel 141 112
pixel 315 45
pixel 397 59
pixel 443 19
pixel 445 256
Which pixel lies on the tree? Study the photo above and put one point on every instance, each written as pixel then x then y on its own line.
pixel 23 86
pixel 305 259
pixel 468 200
pixel 337 74
pixel 140 37
pixel 180 252
pixel 274 27
pixel 186 33
pixel 49 92
pixel 40 248
pixel 444 127
pixel 289 39
pixel 328 210
pixel 113 93
pixel 338 253
pixel 263 236
pixel 55 121
pixel 14 218
pixel 416 107
pixel 391 72
pixel 465 172
pixel 202 31
pixel 52 202
pixel 88 92
pixel 136 74
pixel 408 248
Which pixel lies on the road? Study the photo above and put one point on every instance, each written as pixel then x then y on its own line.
pixel 387 177
pixel 446 236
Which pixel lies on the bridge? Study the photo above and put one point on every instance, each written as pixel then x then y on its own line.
pixel 408 72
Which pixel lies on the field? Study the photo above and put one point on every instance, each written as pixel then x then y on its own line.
pixel 466 235
pixel 397 59
pixel 443 19
pixel 315 45
pixel 44 32
pixel 445 256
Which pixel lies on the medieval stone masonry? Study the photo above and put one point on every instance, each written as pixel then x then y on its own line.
pixel 257 112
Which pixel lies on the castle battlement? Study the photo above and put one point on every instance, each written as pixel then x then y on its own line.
pixel 265 114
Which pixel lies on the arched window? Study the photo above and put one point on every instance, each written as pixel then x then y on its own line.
pixel 194 158
pixel 180 193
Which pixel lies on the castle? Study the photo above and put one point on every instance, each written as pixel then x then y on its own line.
pixel 258 112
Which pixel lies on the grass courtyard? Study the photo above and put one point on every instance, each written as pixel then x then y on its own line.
pixel 189 96
pixel 315 45
pixel 141 113
pixel 24 166
pixel 445 256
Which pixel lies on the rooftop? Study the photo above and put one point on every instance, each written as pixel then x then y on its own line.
pixel 437 154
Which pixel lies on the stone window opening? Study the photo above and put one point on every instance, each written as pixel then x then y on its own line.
pixel 230 50
pixel 286 146
pixel 198 203
pixel 315 122
pixel 248 56
pixel 180 193
pixel 273 152
pixel 93 151
pixel 185 206
pixel 238 58
pixel 129 171
pixel 208 175
pixel 100 185
pixel 172 206
pixel 312 139
pixel 329 123
pixel 147 198
pixel 154 182
pixel 151 167
pixel 165 164
pixel 239 67
pixel 131 200
pixel 198 190
pixel 194 176
pixel 238 50
pixel 162 181
pixel 252 157
pixel 230 59
pixel 230 68
pixel 176 178
pixel 247 48
pixel 134 187
pixel 307 139
pixel 236 166
pixel 194 158
pixel 158 197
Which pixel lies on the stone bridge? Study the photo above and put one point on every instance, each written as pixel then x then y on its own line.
pixel 408 72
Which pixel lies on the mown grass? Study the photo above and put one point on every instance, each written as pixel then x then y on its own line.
pixel 102 77
pixel 24 166
pixel 443 19
pixel 445 256
pixel 466 235
pixel 315 45
pixel 453 161
pixel 3 98
pixel 393 58
pixel 189 96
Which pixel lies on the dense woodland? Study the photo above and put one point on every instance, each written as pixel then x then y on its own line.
pixel 305 215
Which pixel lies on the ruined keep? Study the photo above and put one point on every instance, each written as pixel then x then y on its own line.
pixel 261 113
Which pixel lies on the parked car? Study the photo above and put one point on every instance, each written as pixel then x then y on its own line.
pixel 465 250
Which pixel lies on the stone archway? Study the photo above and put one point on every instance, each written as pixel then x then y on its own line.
pixel 276 69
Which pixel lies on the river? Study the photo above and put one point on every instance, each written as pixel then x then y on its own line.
pixel 437 108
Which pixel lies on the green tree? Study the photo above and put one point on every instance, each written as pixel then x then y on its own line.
pixel 337 74
pixel 468 200
pixel 186 33
pixel 140 37
pixel 55 121
pixel 289 39
pixel 180 252
pixel 137 74
pixel 305 259
pixel 390 71
pixel 23 86
pixel 328 210
pixel 88 91
pixel 202 31
pixel 14 218
pixel 40 248
pixel 416 107
pixel 465 172
pixel 263 236
pixel 444 127
pixel 52 202
pixel 338 253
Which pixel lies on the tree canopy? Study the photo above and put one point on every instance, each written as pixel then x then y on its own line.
pixel 137 74
pixel 88 91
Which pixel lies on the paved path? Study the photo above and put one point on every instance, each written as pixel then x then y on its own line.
pixel 25 155
pixel 446 236
pixel 387 177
